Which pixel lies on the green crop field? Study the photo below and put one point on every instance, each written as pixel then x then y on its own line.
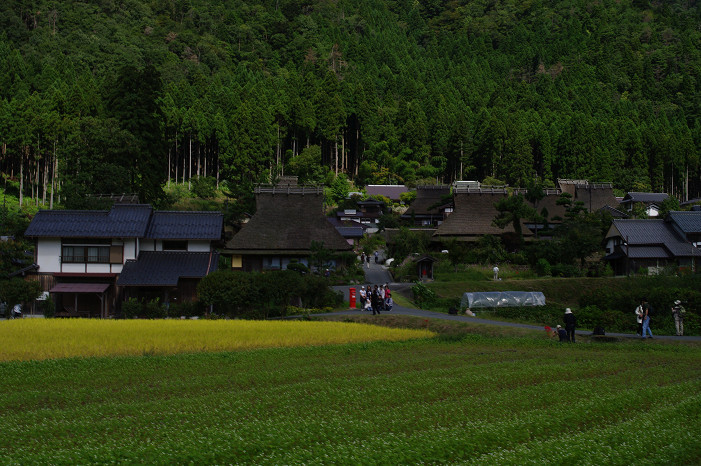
pixel 460 398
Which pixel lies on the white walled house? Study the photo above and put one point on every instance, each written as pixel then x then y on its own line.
pixel 82 255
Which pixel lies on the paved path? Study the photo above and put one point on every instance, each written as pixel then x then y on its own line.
pixel 478 320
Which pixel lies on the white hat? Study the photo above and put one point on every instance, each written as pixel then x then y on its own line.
pixel 568 311
pixel 677 302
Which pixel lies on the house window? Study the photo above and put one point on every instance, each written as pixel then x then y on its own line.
pixel 85 251
pixel 175 245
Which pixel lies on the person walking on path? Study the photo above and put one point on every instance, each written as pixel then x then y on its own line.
pixel 387 298
pixel 377 258
pixel 646 318
pixel 570 324
pixel 639 319
pixel 496 272
pixel 367 260
pixel 678 312
pixel 363 297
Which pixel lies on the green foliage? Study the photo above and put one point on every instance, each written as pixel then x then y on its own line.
pixel 423 296
pixel 543 267
pixel 340 187
pixel 204 186
pixel 18 291
pixel 131 308
pixel 407 242
pixel 371 243
pixel 262 295
pixel 246 90
pixel 388 220
pixel 407 197
pixel 47 307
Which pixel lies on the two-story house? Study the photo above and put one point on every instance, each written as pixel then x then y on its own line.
pixel 86 258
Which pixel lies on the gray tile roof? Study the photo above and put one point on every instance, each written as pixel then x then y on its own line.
pixel 648 252
pixel 348 228
pixel 647 198
pixel 121 221
pixel 688 222
pixel 646 232
pixel 186 225
pixel 159 268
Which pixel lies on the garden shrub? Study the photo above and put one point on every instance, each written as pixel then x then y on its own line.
pixel 423 296
pixel 565 270
pixel 48 308
pixel 131 308
pixel 542 267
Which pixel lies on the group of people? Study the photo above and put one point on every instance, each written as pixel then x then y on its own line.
pixel 567 334
pixel 376 299
pixel 643 314
pixel 365 258
pixel 644 311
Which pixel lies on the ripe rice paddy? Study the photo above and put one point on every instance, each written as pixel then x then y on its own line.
pixel 36 339
pixel 469 400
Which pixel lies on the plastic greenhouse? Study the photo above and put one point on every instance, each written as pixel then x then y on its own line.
pixel 502 299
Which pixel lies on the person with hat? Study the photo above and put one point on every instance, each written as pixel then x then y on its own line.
pixel 562 333
pixel 678 312
pixel 570 324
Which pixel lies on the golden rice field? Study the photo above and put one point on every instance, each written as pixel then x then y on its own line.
pixel 38 339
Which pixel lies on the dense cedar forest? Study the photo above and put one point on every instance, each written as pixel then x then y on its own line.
pixel 112 96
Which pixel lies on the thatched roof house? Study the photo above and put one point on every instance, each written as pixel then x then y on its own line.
pixel 286 222
pixel 473 215
pixel 428 209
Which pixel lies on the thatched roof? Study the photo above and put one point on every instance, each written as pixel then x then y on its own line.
pixel 287 220
pixel 596 195
pixel 473 216
pixel 428 201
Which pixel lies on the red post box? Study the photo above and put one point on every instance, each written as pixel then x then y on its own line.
pixel 351 298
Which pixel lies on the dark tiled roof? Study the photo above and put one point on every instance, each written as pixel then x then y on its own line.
pixel 121 221
pixel 473 216
pixel 288 222
pixel 647 198
pixel 348 228
pixel 646 232
pixel 158 268
pixel 648 252
pixel 186 225
pixel 390 191
pixel 688 222
pixel 428 201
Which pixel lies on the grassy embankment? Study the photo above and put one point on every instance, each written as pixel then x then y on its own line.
pixel 456 398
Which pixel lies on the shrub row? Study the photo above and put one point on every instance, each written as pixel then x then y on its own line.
pixel 265 294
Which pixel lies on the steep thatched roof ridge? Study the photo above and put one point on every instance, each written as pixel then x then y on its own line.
pixel 473 216
pixel 596 196
pixel 286 222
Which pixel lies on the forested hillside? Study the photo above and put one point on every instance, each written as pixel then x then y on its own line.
pixel 123 95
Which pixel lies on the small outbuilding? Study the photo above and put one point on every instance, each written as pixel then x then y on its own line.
pixel 424 266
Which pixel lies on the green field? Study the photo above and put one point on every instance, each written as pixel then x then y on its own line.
pixel 457 398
